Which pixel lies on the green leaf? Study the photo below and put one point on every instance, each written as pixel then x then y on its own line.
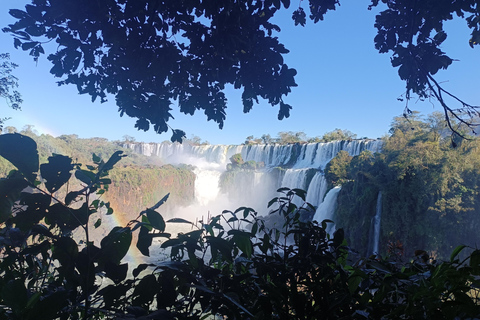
pixel 22 152
pixel 156 220
pixel 65 251
pixel 96 159
pixel 271 202
pixel 145 290
pixel 29 45
pixel 456 251
pixel 338 238
pixel 56 172
pixel 242 240
pixel 301 193
pixel 98 223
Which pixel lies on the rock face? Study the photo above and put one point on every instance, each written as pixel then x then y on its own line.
pixel 134 189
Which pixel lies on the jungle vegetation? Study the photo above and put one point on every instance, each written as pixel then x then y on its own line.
pixel 429 182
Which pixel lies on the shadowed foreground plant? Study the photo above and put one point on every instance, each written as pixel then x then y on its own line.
pixel 237 265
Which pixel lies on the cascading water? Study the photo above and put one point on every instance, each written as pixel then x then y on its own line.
pixel 375 227
pixel 327 208
pixel 303 168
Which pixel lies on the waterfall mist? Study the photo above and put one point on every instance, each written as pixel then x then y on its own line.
pixel 293 166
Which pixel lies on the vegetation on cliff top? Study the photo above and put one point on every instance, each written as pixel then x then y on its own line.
pixel 429 181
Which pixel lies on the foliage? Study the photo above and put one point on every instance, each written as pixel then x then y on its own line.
pixel 237 265
pixel 338 134
pixel 286 137
pixel 429 189
pixel 236 161
pixel 8 83
pixel 150 56
pixel 336 169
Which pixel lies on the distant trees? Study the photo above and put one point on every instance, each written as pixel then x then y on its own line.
pixel 286 137
pixel 196 140
pixel 338 134
pixel 128 139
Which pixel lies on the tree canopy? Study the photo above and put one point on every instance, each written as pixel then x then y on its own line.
pixel 152 54
pixel 8 83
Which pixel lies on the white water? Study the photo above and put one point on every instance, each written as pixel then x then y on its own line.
pixel 211 160
pixel 326 209
pixel 376 225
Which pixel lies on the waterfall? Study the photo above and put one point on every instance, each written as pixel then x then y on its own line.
pixel 302 164
pixel 316 190
pixel 326 209
pixel 375 227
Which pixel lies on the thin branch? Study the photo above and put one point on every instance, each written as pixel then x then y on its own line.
pixel 437 91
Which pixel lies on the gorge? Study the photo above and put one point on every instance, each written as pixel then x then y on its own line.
pixel 219 185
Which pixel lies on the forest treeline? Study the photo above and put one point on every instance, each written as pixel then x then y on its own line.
pixel 430 182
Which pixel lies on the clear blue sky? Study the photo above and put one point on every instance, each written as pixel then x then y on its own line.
pixel 343 82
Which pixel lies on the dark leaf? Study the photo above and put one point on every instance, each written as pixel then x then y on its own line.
pixel 117 273
pixel 19 14
pixel 22 152
pixel 71 196
pixel 179 220
pixel 10 190
pixel 140 268
pixel 56 172
pixel 117 156
pixel 144 241
pixel 177 135
pixel 156 220
pixel 15 295
pixel 85 176
pixel 115 245
pixel 159 203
